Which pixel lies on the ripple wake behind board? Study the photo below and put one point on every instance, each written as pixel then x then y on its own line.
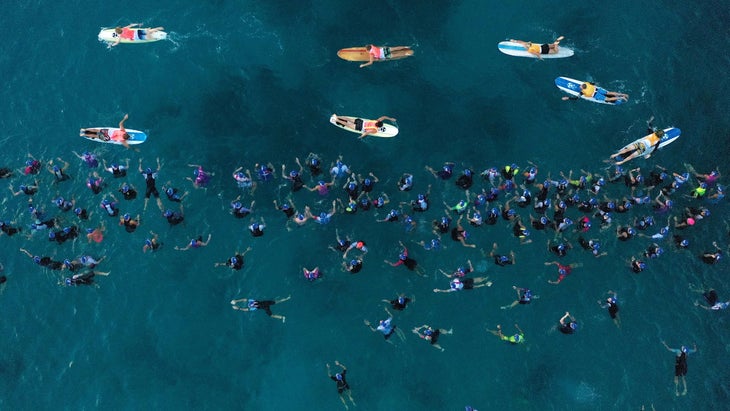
pixel 386 131
pixel 111 36
pixel 105 133
pixel 511 48
pixel 361 54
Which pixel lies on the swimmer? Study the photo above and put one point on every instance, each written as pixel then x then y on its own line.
pixel 612 305
pixel 7 228
pixel 322 187
pixel 359 245
pixel 353 266
pixel 386 327
pixel 339 169
pixel 238 210
pixel 560 249
pixel 592 245
pixel 32 166
pixel 636 265
pixel 466 284
pixel 405 183
pixel 44 261
pixel 465 180
pixel 434 244
pixel 96 235
pixel 324 218
pixel 501 260
pixel 709 178
pixel 152 243
pixel 312 274
pixel 59 172
pixel 174 217
pixel 314 164
pixel 294 176
pixel 236 262
pixel 287 208
pixel 539 49
pixel 400 302
pixel 392 216
pixel 444 173
pixel 150 178
pixel 524 296
pixel 244 180
pixel 257 229
pixel 680 366
pixel 342 385
pixel 86 278
pixel 563 270
pixel 195 243
pixel 713 301
pixel 459 234
pixel 95 183
pixel 709 257
pixel 117 170
pixel 521 232
pixel 265 305
pixel 172 193
pixel 459 272
pixel 301 218
pixel 202 177
pixel 128 191
pixel 567 327
pixel 431 335
pixel 27 189
pixel 88 158
pixel 406 261
pixel 515 339
pixel 130 224
pixel 368 183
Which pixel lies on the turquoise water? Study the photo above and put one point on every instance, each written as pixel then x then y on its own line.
pixel 240 83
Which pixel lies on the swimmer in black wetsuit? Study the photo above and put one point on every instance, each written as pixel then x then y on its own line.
pixel 150 177
pixel 265 305
pixel 400 303
pixel 680 365
pixel 612 306
pixel 524 296
pixel 342 385
pixel 501 260
pixel 86 278
pixel 431 335
pixel 236 262
pixel 567 327
pixel 709 257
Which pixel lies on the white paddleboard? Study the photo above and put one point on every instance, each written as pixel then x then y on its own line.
pixel 572 87
pixel 105 133
pixel 518 50
pixel 386 131
pixel 644 144
pixel 110 36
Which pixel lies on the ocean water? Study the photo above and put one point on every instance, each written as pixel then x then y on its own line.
pixel 246 82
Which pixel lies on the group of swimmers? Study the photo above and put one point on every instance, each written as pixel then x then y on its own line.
pixel 551 201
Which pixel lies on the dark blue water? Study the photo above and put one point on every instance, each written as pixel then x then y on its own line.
pixel 241 83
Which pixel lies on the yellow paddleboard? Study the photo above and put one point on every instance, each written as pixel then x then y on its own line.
pixel 361 54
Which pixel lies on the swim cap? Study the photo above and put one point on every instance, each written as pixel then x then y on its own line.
pixel 421 197
pixel 663 230
pixel 592 201
pixel 83 259
pixel 59 201
pixel 511 212
pixel 611 205
pixel 105 202
pixel 67 263
pixel 561 246
pixel 401 300
pixel 67 281
pixel 568 221
pixel 255 226
pixel 167 213
pixel 338 376
pixel 66 230
pixel 169 191
pixel 543 220
pixel 684 243
pixel 127 217
pixel 56 169
pixel 148 171
pixel 684 349
pixel 706 212
pixel 467 172
pixel 300 216
pixel 37 259
pixel 148 242
pixel 402 256
pixel 631 231
pixel 321 183
pixel 562 271
pixel 89 230
pixel 237 205
pixel 691 221
pixel 234 260
pixel 353 263
pixel 703 185
pixel 573 326
pixel 659 251
pixel 293 174
pixel 428 332
pixel 51 235
pixel 526 232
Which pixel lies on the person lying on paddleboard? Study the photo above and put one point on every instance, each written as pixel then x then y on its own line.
pixel 366 126
pixel 103 133
pixel 590 90
pixel 639 149
pixel 127 32
pixel 381 53
pixel 538 49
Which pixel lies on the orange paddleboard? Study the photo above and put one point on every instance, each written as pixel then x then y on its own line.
pixel 361 54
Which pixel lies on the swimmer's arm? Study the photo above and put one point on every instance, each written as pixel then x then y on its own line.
pixel 381 118
pixel 121 123
pixel 369 62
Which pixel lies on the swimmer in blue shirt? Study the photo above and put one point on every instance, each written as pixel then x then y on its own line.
pixel 386 327
pixel 264 305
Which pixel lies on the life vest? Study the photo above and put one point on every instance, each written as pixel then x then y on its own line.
pixel 118 135
pixel 370 126
pixel 376 52
pixel 534 48
pixel 589 90
pixel 128 33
